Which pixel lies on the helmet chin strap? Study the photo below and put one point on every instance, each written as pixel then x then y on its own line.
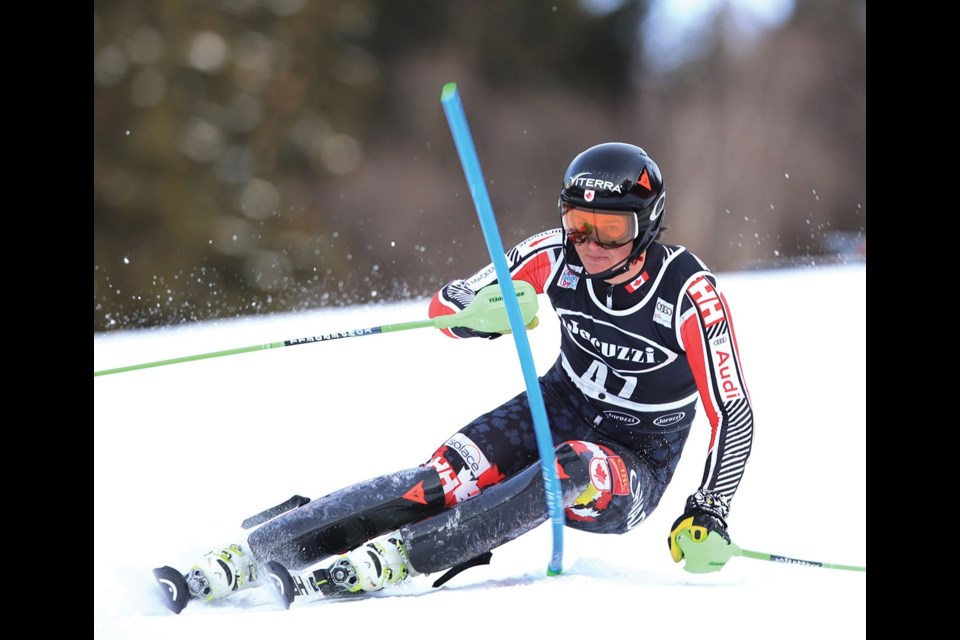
pixel 614 271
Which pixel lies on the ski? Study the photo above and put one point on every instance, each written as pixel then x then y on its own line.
pixel 220 572
pixel 307 585
pixel 281 582
pixel 287 587
pixel 173 586
pixel 318 582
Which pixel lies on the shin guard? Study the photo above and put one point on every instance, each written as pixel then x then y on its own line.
pixel 347 518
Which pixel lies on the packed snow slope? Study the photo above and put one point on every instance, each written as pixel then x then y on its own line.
pixel 183 453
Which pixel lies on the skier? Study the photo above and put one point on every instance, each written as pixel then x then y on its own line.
pixel 645 333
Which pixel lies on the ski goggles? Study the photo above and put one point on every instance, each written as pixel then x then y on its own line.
pixel 608 229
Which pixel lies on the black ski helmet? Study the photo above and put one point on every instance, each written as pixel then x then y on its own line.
pixel 615 176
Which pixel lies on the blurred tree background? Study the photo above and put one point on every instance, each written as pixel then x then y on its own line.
pixel 258 156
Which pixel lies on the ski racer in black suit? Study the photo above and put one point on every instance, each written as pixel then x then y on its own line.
pixel 645 333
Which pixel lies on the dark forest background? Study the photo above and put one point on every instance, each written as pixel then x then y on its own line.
pixel 258 156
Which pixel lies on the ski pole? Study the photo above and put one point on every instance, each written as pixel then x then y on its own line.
pixel 711 554
pixel 486 312
pixel 758 555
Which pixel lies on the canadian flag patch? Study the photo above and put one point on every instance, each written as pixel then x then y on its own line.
pixel 637 282
pixel 589 194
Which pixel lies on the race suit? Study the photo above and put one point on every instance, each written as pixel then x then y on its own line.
pixel 620 400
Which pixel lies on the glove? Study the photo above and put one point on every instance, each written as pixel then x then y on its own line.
pixel 460 295
pixel 700 534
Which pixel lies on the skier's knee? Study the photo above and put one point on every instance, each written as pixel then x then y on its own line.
pixel 592 475
pixel 458 454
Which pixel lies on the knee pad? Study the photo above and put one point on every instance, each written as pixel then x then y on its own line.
pixel 463 468
pixel 592 475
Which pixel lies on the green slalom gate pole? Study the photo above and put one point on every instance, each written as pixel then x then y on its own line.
pixel 486 312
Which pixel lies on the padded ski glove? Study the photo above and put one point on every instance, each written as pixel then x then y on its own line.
pixel 702 523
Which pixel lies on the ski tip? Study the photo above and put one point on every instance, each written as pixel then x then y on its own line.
pixel 279 578
pixel 173 587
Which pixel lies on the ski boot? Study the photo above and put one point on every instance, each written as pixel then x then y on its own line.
pixel 379 563
pixel 372 566
pixel 221 572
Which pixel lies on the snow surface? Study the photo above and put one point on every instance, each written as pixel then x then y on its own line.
pixel 183 453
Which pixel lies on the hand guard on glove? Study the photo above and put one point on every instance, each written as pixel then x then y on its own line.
pixel 461 295
pixel 702 523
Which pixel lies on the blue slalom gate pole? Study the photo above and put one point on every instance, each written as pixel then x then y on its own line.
pixel 457 119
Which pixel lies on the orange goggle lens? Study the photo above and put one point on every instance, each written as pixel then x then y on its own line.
pixel 609 230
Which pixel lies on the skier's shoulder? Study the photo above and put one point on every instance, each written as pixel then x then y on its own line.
pixel 680 271
pixel 544 240
pixel 679 259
